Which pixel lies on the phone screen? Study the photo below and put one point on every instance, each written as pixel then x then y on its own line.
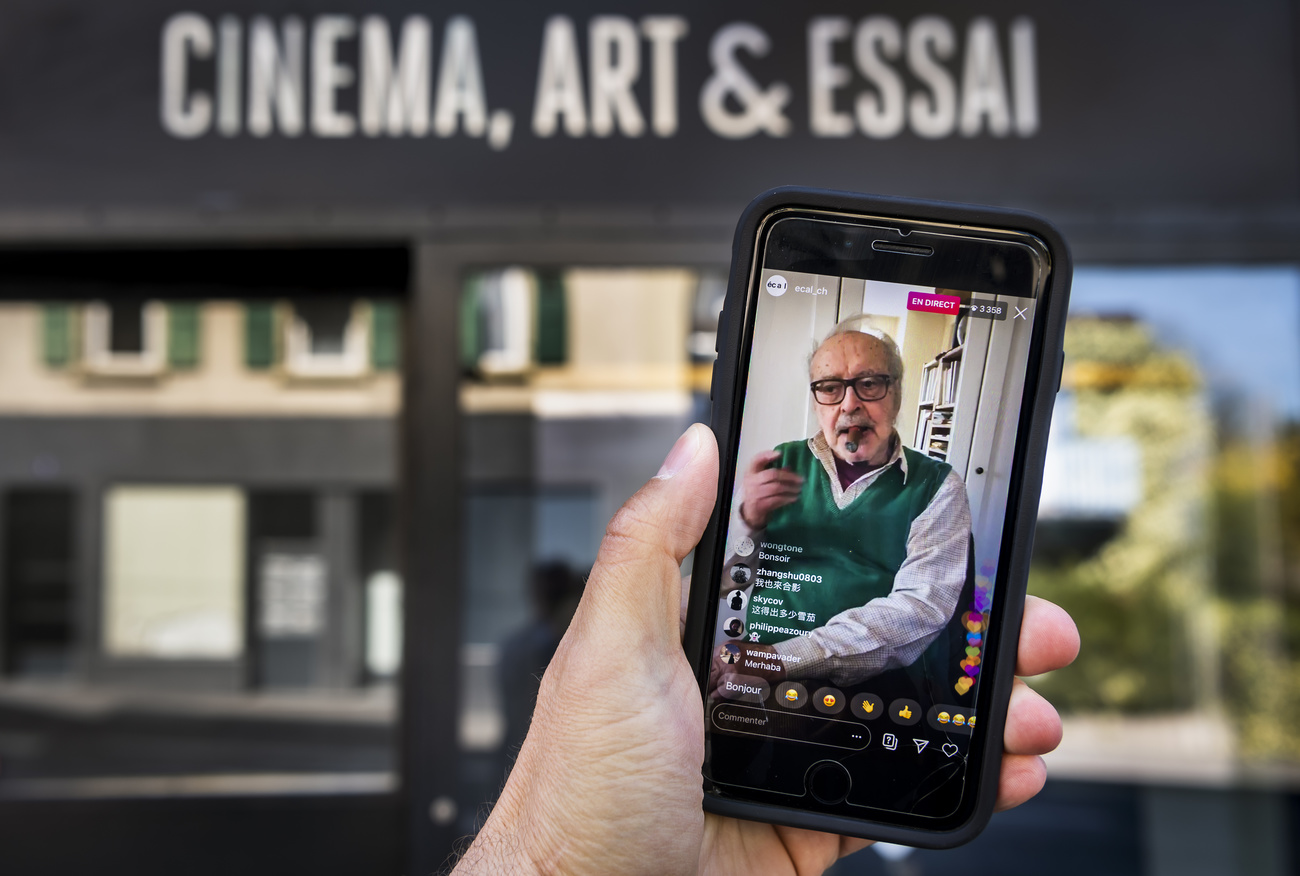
pixel 882 398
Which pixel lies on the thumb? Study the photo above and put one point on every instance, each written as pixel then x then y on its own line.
pixel 637 570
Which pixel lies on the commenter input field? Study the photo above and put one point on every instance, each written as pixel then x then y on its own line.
pixel 756 721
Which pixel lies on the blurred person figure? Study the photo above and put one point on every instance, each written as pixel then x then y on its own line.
pixel 555 589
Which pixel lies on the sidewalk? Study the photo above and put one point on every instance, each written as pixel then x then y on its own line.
pixel 77 742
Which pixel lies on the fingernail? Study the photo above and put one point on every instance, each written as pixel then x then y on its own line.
pixel 682 453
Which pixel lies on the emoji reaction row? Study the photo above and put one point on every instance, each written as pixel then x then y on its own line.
pixel 864 706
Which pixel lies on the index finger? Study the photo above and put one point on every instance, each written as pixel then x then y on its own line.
pixel 779 477
pixel 762 460
pixel 1048 638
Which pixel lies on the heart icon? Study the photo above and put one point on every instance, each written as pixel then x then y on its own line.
pixel 950 749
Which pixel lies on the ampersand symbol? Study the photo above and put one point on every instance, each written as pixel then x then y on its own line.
pixel 761 110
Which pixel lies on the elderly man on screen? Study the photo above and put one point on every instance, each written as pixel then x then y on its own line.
pixel 862 542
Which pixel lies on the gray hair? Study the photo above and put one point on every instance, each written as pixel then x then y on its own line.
pixel 861 323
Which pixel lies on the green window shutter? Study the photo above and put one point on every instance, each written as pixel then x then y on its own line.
pixel 471 335
pixel 259 334
pixel 552 319
pixel 385 335
pixel 183 335
pixel 58 335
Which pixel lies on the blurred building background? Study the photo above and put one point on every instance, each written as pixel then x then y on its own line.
pixel 331 336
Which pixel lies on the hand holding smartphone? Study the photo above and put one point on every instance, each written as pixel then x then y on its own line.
pixel 881 399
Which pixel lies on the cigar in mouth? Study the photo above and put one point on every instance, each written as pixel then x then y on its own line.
pixel 855 437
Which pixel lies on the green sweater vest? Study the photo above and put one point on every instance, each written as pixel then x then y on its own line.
pixel 816 560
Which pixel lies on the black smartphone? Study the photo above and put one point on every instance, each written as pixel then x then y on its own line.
pixel 881 399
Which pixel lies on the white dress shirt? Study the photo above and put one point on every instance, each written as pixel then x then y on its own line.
pixel 889 631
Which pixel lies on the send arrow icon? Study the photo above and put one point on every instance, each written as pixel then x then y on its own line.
pixel 920 744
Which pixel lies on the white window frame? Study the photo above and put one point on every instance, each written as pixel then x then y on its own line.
pixel 518 291
pixel 99 359
pixel 354 361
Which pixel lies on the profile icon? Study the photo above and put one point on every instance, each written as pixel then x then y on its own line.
pixel 741 574
pixel 736 600
pixel 734 627
pixel 729 653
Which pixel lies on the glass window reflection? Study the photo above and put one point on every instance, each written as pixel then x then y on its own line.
pixel 1168 524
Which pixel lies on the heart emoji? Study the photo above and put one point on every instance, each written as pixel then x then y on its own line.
pixel 950 749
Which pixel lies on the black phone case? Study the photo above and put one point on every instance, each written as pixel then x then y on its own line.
pixel 1043 375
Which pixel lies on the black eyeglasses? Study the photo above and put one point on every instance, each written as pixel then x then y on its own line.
pixel 871 388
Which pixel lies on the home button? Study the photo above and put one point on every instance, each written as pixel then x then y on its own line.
pixel 828 782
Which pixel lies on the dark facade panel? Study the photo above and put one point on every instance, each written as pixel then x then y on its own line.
pixel 1109 108
pixel 499 447
pixel 248 450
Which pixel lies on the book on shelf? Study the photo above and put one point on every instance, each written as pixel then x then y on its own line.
pixel 922 428
pixel 929 383
pixel 951 370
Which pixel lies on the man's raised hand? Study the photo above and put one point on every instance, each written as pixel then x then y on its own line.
pixel 764 489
